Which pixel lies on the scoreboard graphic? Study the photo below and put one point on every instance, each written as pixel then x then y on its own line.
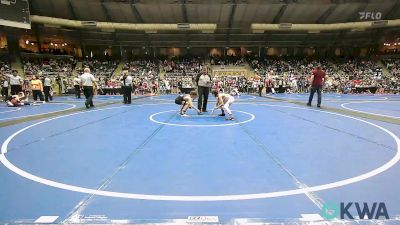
pixel 15 13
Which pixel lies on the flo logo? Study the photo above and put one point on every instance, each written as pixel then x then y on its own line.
pixel 370 15
pixel 331 211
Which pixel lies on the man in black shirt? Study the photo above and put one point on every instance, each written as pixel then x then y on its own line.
pixel 203 81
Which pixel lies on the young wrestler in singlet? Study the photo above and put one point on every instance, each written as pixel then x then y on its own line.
pixel 17 100
pixel 224 101
pixel 186 101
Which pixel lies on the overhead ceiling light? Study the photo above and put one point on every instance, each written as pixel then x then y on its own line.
pixel 89 23
pixel 51 43
pixel 26 42
pixel 285 25
pixel 379 23
pixel 183 25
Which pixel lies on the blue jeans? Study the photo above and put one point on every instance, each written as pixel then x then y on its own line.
pixel 314 89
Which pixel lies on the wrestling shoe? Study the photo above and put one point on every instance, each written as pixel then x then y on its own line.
pixel 222 114
pixel 230 118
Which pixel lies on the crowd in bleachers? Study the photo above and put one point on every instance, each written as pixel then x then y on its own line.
pixel 143 68
pixel 99 68
pixel 393 65
pixel 159 76
pixel 343 76
pixel 227 60
pixel 180 73
pixel 182 66
pixel 51 67
pixel 5 66
pixel 155 76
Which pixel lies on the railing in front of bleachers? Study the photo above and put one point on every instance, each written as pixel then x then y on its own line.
pixel 44 55
pixel 180 74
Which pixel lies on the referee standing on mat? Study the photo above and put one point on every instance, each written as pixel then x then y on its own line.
pixel 47 84
pixel 87 83
pixel 203 81
pixel 77 82
pixel 317 82
pixel 15 83
pixel 126 80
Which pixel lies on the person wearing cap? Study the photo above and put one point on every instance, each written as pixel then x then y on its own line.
pixel 317 81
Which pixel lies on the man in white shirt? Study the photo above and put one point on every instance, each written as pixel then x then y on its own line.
pixel 47 85
pixel 87 83
pixel 167 86
pixel 15 83
pixel 126 81
pixel 77 83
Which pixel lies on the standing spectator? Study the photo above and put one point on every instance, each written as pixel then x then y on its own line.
pixel 59 83
pixel 155 87
pixel 317 81
pixel 37 88
pixel 126 80
pixel 180 87
pixel 268 85
pixel 4 88
pixel 167 87
pixel 26 87
pixel 77 82
pixel 87 83
pixel 203 81
pixel 15 83
pixel 47 86
pixel 260 85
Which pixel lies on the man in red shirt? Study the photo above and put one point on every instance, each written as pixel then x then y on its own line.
pixel 317 81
